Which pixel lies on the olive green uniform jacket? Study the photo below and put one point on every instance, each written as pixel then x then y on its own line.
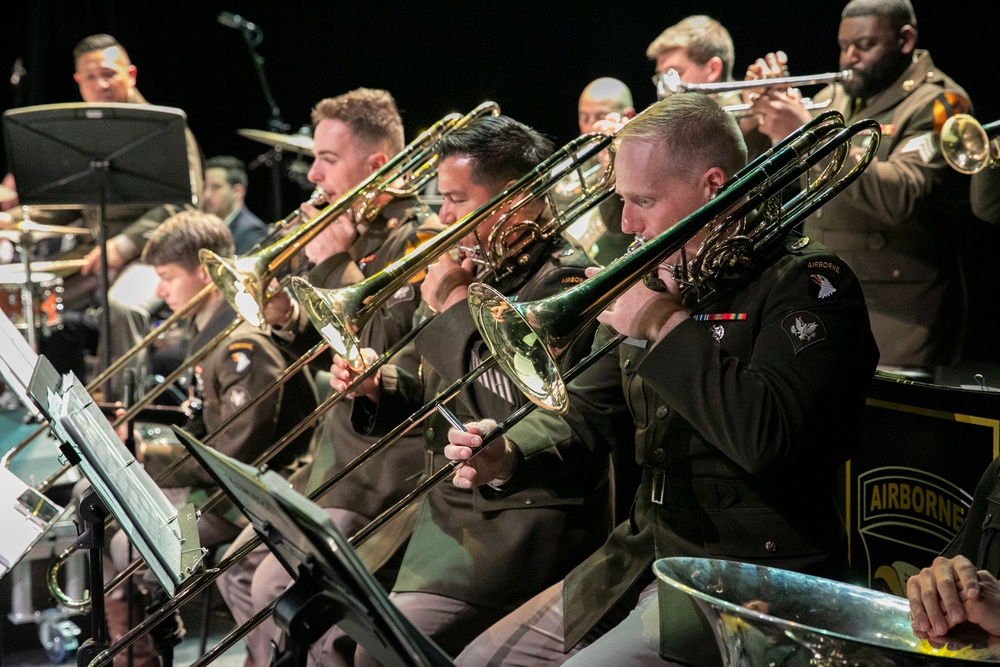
pixel 244 365
pixel 375 486
pixel 898 225
pixel 744 413
pixel 487 547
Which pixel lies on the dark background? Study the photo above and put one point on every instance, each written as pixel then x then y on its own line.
pixel 533 58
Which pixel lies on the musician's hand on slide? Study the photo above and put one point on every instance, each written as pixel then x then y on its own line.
pixel 343 373
pixel 278 309
pixel 497 463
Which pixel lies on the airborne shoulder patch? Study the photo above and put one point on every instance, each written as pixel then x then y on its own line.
pixel 945 106
pixel 803 329
pixel 823 280
pixel 241 356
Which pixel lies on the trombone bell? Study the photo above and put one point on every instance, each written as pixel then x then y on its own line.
pixel 238 280
pixel 326 308
pixel 523 355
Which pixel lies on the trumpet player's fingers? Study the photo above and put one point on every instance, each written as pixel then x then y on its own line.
pixel 779 114
pixel 935 603
pixel 777 63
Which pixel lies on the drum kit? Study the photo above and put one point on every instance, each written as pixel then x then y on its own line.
pixel 31 292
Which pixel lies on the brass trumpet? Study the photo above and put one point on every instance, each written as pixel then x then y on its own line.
pixel 968 146
pixel 668 83
pixel 243 281
pixel 529 338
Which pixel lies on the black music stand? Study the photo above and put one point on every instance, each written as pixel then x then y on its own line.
pixel 331 587
pixel 99 154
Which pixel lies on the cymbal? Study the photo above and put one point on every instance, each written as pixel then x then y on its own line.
pixel 26 228
pixel 54 266
pixel 296 143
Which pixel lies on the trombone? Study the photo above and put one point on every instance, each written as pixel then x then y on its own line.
pixel 415 164
pixel 529 338
pixel 340 314
pixel 532 186
pixel 378 182
pixel 243 281
pixel 968 146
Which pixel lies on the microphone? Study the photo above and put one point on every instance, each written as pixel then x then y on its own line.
pixel 18 73
pixel 236 22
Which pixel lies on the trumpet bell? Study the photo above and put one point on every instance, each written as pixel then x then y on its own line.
pixel 525 357
pixel 965 144
pixel 766 616
pixel 331 311
pixel 239 281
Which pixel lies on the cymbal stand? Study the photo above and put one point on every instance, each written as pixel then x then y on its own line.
pixel 25 247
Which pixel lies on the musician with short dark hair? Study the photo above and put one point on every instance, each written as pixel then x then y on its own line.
pixel 473 557
pixel 243 365
pixel 746 400
pixel 225 196
pixel 895 225
pixel 105 74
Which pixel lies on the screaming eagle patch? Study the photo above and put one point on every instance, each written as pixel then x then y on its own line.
pixel 803 329
pixel 241 355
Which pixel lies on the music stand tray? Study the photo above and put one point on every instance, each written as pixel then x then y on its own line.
pixel 332 586
pixel 66 154
pixel 165 537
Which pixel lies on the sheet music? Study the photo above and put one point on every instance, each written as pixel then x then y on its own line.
pixel 165 537
pixel 17 361
pixel 25 515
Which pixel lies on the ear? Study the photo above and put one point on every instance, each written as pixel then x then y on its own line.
pixel 239 191
pixel 907 39
pixel 201 275
pixel 629 113
pixel 712 180
pixel 714 69
pixel 77 78
pixel 377 160
pixel 132 72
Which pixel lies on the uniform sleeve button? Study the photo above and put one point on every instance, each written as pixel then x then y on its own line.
pixel 529 501
pixel 429 432
pixel 986 521
pixel 659 455
pixel 662 411
pixel 771 546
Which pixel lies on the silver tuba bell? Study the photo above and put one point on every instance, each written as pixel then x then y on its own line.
pixel 766 616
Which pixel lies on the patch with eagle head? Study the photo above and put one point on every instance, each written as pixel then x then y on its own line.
pixel 822 280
